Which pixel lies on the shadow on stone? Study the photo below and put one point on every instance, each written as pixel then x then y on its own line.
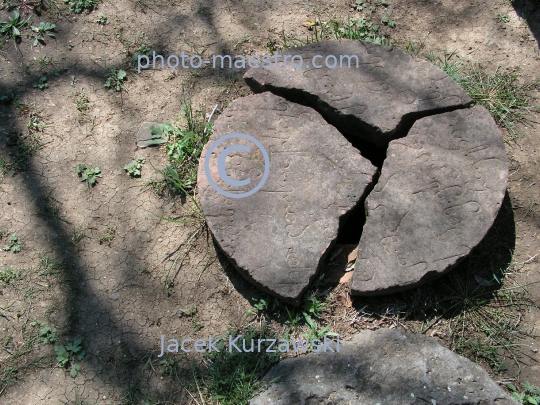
pixel 385 366
pixel 475 281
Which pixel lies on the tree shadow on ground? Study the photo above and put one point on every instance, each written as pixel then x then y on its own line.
pixel 80 302
pixel 529 10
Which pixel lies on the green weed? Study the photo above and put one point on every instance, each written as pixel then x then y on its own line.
pixel 134 167
pixel 35 123
pixel 14 245
pixel 44 28
pixel 58 71
pixel 68 354
pixel 192 314
pixel 78 6
pixel 47 334
pixel 48 266
pixel 530 395
pixel 48 207
pixel 115 80
pixel 21 149
pixel 102 19
pixel 42 84
pixel 81 101
pixel 386 20
pixel 503 18
pixel 313 306
pixel 136 396
pixel 233 378
pixel 44 61
pixel 9 275
pixel 314 332
pixel 24 332
pixel 11 28
pixel 142 4
pixel 358 5
pixel 108 237
pixel 184 147
pixel 8 375
pixel 88 175
pixel 168 367
pixel 359 28
pixel 78 235
pixel 142 50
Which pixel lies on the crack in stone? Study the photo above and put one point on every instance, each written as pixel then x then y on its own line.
pixel 349 232
pixel 392 97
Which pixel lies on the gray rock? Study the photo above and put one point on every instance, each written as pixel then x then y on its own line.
pixel 279 236
pixel 440 190
pixel 378 101
pixel 384 367
pixel 144 134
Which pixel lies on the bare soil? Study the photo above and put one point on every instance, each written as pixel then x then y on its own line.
pixel 113 293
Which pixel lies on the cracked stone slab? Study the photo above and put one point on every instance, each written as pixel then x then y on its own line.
pixel 279 236
pixel 386 366
pixel 376 101
pixel 440 190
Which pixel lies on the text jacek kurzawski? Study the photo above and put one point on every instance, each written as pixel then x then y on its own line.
pixel 239 345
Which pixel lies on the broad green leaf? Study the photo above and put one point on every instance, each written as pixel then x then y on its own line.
pixel 531 400
pixel 74 370
pixel 81 355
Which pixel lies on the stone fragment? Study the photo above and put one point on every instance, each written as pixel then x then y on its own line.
pixel 440 190
pixel 386 366
pixel 376 101
pixel 144 134
pixel 279 236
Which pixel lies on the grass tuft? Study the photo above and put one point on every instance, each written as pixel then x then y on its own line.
pixel 233 378
pixel 508 101
pixel 360 28
pixel 184 147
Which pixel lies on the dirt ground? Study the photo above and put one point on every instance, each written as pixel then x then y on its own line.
pixel 113 254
